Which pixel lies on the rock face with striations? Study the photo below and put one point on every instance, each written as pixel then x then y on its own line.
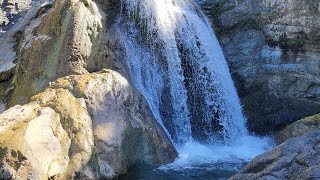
pixel 83 126
pixel 57 42
pixel 14 15
pixel 55 39
pixel 273 51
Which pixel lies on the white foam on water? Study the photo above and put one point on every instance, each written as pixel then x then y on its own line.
pixel 193 154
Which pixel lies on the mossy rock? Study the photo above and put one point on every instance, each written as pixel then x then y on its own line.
pixel 303 126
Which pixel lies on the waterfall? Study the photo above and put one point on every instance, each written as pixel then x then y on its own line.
pixel 176 62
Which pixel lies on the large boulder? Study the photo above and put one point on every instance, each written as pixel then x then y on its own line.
pixel 83 126
pixel 273 51
pixel 299 128
pixel 296 157
pixel 33 143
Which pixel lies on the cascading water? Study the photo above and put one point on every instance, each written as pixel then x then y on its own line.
pixel 176 62
pixel 182 46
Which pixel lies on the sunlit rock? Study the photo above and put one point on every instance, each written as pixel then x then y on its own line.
pixel 86 126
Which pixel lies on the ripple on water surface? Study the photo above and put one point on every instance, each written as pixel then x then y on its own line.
pixel 198 161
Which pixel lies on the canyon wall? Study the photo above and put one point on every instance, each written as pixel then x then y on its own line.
pixel 273 50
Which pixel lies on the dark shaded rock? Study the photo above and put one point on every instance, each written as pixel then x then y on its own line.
pixel 12 11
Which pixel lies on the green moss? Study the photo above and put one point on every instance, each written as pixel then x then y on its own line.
pixel 51 64
pixel 40 83
pixel 5 91
pixel 273 16
pixel 294 43
pixel 216 13
pixel 218 9
pixel 18 36
pixel 311 120
pixel 288 44
pixel 223 2
pixel 218 32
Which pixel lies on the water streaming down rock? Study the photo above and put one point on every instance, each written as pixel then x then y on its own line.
pixel 176 62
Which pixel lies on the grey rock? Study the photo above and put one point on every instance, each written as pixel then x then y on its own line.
pixel 297 158
pixel 299 128
pixel 297 155
pixel 273 51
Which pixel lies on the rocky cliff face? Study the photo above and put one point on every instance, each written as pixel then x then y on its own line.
pixel 87 125
pixel 53 39
pixel 60 35
pixel 14 15
pixel 12 11
pixel 273 52
pixel 272 48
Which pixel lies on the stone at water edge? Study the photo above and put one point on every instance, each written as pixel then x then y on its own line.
pixel 85 126
pixel 296 157
pixel 299 128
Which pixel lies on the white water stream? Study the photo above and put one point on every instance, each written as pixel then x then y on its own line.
pixel 176 62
